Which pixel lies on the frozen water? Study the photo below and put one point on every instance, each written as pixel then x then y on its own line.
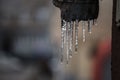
pixel 68 35
pixel 83 31
pixel 76 34
pixel 89 26
pixel 67 41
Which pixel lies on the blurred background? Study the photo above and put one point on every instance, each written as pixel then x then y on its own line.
pixel 30 39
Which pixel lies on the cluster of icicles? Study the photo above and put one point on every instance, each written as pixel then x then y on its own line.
pixel 69 37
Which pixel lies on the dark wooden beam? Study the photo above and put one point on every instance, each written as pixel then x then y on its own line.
pixel 115 46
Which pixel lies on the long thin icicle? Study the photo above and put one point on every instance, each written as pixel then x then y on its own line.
pixel 83 31
pixel 63 36
pixel 76 34
pixel 72 27
pixel 67 42
pixel 89 26
pixel 71 39
pixel 62 33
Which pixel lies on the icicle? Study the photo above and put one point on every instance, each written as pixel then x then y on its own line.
pixel 64 31
pixel 67 34
pixel 83 31
pixel 89 26
pixel 76 34
pixel 67 42
pixel 72 32
pixel 71 39
pixel 63 36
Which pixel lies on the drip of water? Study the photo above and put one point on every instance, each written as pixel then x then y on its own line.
pixel 83 31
